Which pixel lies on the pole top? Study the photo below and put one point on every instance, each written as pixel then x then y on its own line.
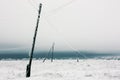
pixel 40 4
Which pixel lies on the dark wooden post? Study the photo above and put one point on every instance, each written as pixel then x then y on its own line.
pixel 52 52
pixel 77 56
pixel 28 69
pixel 47 55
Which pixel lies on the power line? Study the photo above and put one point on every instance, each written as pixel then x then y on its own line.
pixel 59 8
pixel 53 11
pixel 56 10
pixel 66 41
pixel 33 6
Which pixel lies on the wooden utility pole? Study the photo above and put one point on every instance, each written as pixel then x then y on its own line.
pixel 77 55
pixel 52 52
pixel 47 55
pixel 28 70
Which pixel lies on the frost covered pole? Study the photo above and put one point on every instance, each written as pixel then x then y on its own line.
pixel 28 70
pixel 52 52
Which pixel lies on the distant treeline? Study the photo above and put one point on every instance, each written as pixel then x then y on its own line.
pixel 57 55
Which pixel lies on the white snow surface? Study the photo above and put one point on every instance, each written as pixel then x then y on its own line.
pixel 90 69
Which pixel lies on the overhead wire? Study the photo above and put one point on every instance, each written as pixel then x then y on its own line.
pixel 58 31
pixel 77 52
pixel 61 7
pixel 65 41
pixel 56 10
pixel 33 6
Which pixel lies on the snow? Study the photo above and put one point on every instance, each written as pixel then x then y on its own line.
pixel 89 69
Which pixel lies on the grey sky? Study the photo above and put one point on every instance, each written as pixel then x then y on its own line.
pixel 83 24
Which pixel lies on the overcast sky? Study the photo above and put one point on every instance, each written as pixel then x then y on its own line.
pixel 92 25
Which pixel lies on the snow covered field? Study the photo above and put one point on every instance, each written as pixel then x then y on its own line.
pixel 90 69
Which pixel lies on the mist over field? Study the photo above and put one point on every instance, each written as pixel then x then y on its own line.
pixel 85 25
pixel 76 40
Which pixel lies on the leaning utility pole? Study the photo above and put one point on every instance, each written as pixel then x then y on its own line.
pixel 28 70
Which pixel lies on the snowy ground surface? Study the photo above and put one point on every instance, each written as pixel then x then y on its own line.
pixel 61 70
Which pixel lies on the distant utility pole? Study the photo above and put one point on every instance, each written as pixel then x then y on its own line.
pixel 77 55
pixel 52 52
pixel 28 70
pixel 47 55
